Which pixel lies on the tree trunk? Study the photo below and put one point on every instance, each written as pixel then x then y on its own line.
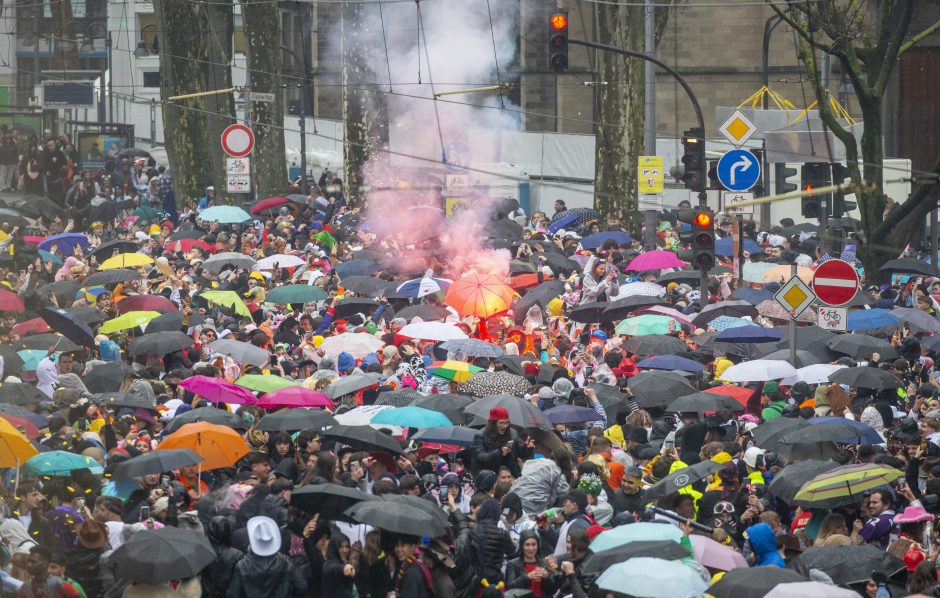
pixel 217 21
pixel 262 21
pixel 65 54
pixel 184 122
pixel 620 114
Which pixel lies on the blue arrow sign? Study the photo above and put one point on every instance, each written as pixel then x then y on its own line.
pixel 738 170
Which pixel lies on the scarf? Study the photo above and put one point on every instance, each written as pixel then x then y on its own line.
pixel 413 560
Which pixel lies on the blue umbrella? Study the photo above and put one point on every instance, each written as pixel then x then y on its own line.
pixel 571 414
pixel 60 463
pixel 419 287
pixel 596 240
pixel 653 578
pixel 866 319
pixel 355 268
pixel 669 363
pixel 749 334
pixel 48 257
pixel 31 358
pixel 722 323
pixel 68 325
pixel 412 417
pixel 224 215
pixel 752 296
pixel 66 242
pixel 868 435
pixel 725 246
pixel 562 222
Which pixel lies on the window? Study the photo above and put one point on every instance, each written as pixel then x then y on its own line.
pixel 147 28
pixel 151 78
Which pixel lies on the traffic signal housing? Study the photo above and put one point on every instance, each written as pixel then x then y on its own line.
pixel 840 207
pixel 782 173
pixel 700 237
pixel 558 42
pixel 813 176
pixel 693 158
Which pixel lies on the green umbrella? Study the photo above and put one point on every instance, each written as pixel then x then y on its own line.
pixel 59 463
pixel 228 299
pixel 295 293
pixel 647 324
pixel 131 319
pixel 264 383
pixel 324 238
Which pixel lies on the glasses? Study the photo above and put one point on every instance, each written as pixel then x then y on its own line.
pixel 724 507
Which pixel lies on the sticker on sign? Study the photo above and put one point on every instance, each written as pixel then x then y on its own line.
pixel 729 198
pixel 833 318
pixel 238 183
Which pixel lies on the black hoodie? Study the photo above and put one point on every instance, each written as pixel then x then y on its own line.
pixel 339 584
pixel 516 574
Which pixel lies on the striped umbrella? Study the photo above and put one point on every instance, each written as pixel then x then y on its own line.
pixel 458 371
pixel 847 482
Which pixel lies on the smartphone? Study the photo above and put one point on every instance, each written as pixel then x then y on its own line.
pixel 668 446
pixel 80 501
pixel 165 481
pixel 144 513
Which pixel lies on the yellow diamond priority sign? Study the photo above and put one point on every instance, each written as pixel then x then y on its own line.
pixel 795 296
pixel 738 128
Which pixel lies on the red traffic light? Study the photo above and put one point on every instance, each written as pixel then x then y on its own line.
pixel 559 21
pixel 703 220
pixel 809 189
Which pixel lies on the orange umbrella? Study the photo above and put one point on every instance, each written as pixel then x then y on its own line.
pixel 524 281
pixel 219 446
pixel 481 295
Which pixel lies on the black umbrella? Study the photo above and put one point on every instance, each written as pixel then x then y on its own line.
pixel 106 378
pixel 803 358
pixel 753 582
pixel 228 260
pixel 156 556
pixel 355 305
pixel 540 295
pixel 291 420
pixel 828 432
pixel 734 309
pixel 398 398
pixel 610 398
pixel 329 501
pixel 64 291
pixel 242 352
pixel 767 434
pixel 660 549
pixel 68 324
pixel 363 438
pixel 457 435
pixel 522 413
pixel 425 311
pixel 866 377
pixel 679 479
pixel 108 277
pixel 658 388
pixel 917 320
pixel 520 267
pixel 909 265
pixel 12 363
pixel 701 402
pixel 46 340
pixel 408 515
pixel 847 565
pixel 159 343
pixel 122 399
pixel 367 285
pixel 621 308
pixel 689 277
pixel 88 314
pixel 111 248
pixel 791 478
pixel 590 313
pixel 154 462
pixel 449 404
pixel 35 206
pixel 132 153
pixel 503 229
pixel 187 234
pixel 350 384
pixel 655 344
pixel 861 346
pixel 212 415
pixel 21 393
pixel 171 321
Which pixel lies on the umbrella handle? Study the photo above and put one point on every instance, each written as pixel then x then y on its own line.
pixel 16 480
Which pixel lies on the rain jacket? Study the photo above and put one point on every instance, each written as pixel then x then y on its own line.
pixel 269 576
pixel 764 543
pixel 516 574
pixel 339 585
pixel 540 486
pixel 217 576
pixel 598 290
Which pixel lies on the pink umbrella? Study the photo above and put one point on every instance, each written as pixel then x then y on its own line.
pixel 218 390
pixel 295 396
pixel 33 239
pixel 716 556
pixel 655 260
pixel 666 311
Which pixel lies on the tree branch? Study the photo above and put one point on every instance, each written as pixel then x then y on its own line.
pixel 920 194
pixel 918 38
pixel 803 32
pixel 891 48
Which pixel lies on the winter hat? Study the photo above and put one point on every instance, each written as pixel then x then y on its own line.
pixel 771 386
pixel 546 393
pixel 498 413
pixel 485 480
pixel 512 502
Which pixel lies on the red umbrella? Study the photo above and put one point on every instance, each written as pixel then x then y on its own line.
pixel 525 281
pixel 34 326
pixel 10 301
pixel 268 204
pixel 25 426
pixel 739 394
pixel 188 244
pixel 146 303
pixel 33 239
pixel 295 396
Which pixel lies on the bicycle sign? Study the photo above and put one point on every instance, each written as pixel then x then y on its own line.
pixel 832 318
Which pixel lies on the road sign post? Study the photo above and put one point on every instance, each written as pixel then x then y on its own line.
pixel 835 282
pixel 738 170
pixel 794 296
pixel 238 141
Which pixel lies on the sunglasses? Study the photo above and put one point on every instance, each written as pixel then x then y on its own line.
pixel 724 507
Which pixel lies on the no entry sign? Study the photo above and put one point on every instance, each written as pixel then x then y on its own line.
pixel 835 282
pixel 238 140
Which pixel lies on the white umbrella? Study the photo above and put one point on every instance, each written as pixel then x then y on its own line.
pixel 812 374
pixel 240 351
pixel 228 259
pixel 642 289
pixel 281 260
pixel 357 344
pixel 433 331
pixel 362 416
pixel 809 589
pixel 754 271
pixel 759 370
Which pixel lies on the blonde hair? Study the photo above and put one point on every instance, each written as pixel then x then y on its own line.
pixel 640 419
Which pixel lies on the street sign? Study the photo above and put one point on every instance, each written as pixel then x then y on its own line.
pixel 257 96
pixel 458 156
pixel 729 198
pixel 795 296
pixel 237 165
pixel 456 181
pixel 737 129
pixel 832 318
pixel 238 183
pixel 835 282
pixel 738 170
pixel 238 140
pixel 649 182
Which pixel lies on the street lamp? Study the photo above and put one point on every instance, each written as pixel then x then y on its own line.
pixel 144 49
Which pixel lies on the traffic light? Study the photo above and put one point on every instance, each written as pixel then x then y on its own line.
pixel 558 42
pixel 693 157
pixel 781 173
pixel 840 207
pixel 700 237
pixel 813 176
pixel 714 184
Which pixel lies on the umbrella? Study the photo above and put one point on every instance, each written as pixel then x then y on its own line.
pixel 217 390
pixel 450 405
pixel 433 331
pixel 571 414
pixel 791 478
pixel 169 322
pixel 355 268
pixel 658 388
pixel 458 371
pixel 366 285
pixel 481 295
pixel 867 319
pixel 21 393
pixel 725 246
pixel 759 370
pixel 713 555
pixel 655 344
pixel 357 344
pixel 409 515
pixel 690 277
pixel 522 413
pixel 752 582
pixel 412 417
pixel 205 414
pixel 262 383
pixel 292 420
pixel 269 203
pixel 810 589
pixel 846 483
pixel 241 352
pixel 397 398
pixel 64 290
pixel 724 323
pixel 186 234
pixel 106 378
pixel 454 435
pixel 589 313
pixel 739 394
pixel 15 448
pixel 131 319
pixel 704 401
pixel 812 374
pixel 847 565
pixel 219 446
pixel 156 556
pixel 861 346
pixel 125 260
pixel 644 531
pixel 670 363
pixel 146 303
pixel 679 479
pixel 652 578
pixel 557 262
pixel 70 326
pixel 641 289
pixel 654 260
pixel 908 265
pixel 749 334
pixel 224 215
pixel 350 384
pixel 229 299
pixel 363 438
pixel 155 462
pixel 230 260
pixel 159 343
pixel 648 324
pixel 184 245
pixel 123 399
pixel 623 307
pixel 12 361
pixel 279 261
pixel 597 239
pixel 803 358
pixel 660 549
pixel 735 309
pixel 59 463
pixel 752 296
pixel 832 430
pixel 295 396
pixel 781 274
pixel 484 384
pixel 355 305
pixel 917 320
pixel 66 242
pixel 540 295
pixel 772 309
pixel 23 413
pixel 419 287
pixel 295 293
pixel 866 377
pixel 88 314
pixel 329 501
pixel 362 416
pixel 44 341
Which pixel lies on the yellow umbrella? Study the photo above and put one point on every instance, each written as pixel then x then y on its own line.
pixel 126 260
pixel 228 299
pixel 131 319
pixel 15 448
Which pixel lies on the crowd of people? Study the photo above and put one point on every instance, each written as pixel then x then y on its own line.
pixel 295 402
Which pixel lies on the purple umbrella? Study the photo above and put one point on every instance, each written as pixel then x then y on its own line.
pixel 66 242
pixel 218 390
